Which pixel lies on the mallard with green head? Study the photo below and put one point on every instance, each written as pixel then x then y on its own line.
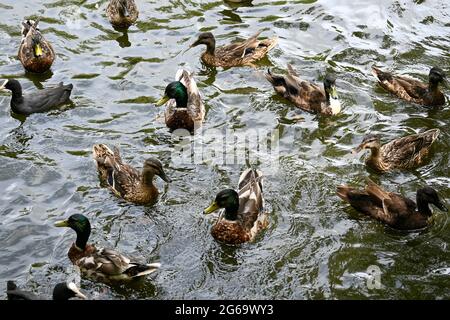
pixel 122 13
pixel 402 153
pixel 427 94
pixel 35 53
pixel 391 208
pixel 100 264
pixel 124 180
pixel 306 95
pixel 62 291
pixel 243 53
pixel 243 213
pixel 185 109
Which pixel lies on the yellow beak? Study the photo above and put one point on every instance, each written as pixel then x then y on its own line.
pixel 213 207
pixel 162 101
pixel 38 50
pixel 63 223
pixel 333 92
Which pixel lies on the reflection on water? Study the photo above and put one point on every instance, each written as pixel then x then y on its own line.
pixel 316 246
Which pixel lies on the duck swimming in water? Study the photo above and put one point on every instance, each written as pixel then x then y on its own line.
pixel 35 53
pixel 306 95
pixel 37 101
pixel 122 13
pixel 427 94
pixel 391 208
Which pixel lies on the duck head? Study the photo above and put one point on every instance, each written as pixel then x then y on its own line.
pixel 153 167
pixel 175 90
pixel 227 199
pixel 65 291
pixel 429 195
pixel 370 141
pixel 80 224
pixel 206 38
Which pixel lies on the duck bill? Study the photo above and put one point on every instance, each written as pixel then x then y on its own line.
pixel 62 223
pixel 441 206
pixel 213 207
pixel 38 50
pixel 76 291
pixel 358 148
pixel 163 176
pixel 162 101
pixel 2 87
pixel 333 92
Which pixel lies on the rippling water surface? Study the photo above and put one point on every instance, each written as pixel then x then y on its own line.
pixel 316 246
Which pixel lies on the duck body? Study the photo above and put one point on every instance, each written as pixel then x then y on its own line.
pixel 62 291
pixel 122 13
pixel 427 94
pixel 243 215
pixel 306 95
pixel 243 53
pixel 35 53
pixel 185 109
pixel 393 209
pixel 38 101
pixel 124 180
pixel 403 153
pixel 101 264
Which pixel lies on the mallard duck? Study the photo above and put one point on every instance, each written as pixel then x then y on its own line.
pixel 185 109
pixel 402 153
pixel 100 264
pixel 124 180
pixel 122 13
pixel 35 53
pixel 243 215
pixel 62 291
pixel 305 95
pixel 243 53
pixel 427 94
pixel 393 209
pixel 38 101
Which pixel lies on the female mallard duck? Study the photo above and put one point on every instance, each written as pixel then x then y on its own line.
pixel 100 264
pixel 413 90
pixel 122 13
pixel 62 291
pixel 243 215
pixel 124 180
pixel 38 101
pixel 243 53
pixel 35 53
pixel 391 208
pixel 305 95
pixel 185 109
pixel 402 153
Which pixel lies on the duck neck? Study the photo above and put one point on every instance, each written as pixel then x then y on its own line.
pixel 433 87
pixel 16 93
pixel 375 154
pixel 422 206
pixel 82 238
pixel 147 178
pixel 211 47
pixel 181 100
pixel 231 212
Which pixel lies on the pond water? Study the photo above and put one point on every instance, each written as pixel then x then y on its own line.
pixel 316 246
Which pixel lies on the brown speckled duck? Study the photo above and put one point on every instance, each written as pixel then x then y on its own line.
pixel 122 13
pixel 124 180
pixel 306 95
pixel 393 209
pixel 101 264
pixel 427 94
pixel 243 213
pixel 185 109
pixel 35 53
pixel 403 153
pixel 243 53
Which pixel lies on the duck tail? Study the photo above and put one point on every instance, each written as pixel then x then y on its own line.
pixel 140 270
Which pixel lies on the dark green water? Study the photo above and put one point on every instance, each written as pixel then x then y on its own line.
pixel 316 246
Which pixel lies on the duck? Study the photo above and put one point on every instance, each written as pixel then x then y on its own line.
pixel 243 53
pixel 124 180
pixel 38 101
pixel 402 153
pixel 185 109
pixel 61 291
pixel 306 95
pixel 426 94
pixel 122 13
pixel 101 264
pixel 391 208
pixel 35 53
pixel 242 216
